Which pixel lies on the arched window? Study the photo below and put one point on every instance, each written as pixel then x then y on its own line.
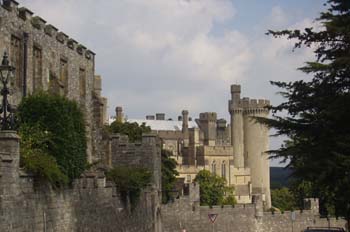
pixel 213 167
pixel 223 169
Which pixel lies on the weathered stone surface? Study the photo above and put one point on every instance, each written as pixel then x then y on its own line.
pixel 89 205
pixel 185 213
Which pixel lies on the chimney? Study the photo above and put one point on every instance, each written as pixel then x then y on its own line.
pixel 185 121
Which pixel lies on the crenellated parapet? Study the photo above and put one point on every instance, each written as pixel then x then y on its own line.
pixel 255 106
pixel 249 106
pixel 15 10
pixel 208 116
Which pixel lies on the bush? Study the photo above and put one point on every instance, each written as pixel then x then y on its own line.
pixel 283 199
pixel 59 139
pixel 213 189
pixel 133 130
pixel 35 157
pixel 129 182
pixel 169 174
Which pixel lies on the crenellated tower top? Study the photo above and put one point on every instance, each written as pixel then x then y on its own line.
pixel 246 105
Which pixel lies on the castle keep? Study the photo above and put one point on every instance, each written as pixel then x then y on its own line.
pixel 235 151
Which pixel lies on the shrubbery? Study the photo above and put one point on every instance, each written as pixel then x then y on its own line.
pixel 130 181
pixel 53 137
pixel 133 130
pixel 169 174
pixel 213 189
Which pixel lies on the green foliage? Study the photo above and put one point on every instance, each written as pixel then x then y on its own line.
pixel 213 189
pixel 133 130
pixel 53 132
pixel 130 181
pixel 229 200
pixel 283 199
pixel 317 123
pixel 35 157
pixel 169 174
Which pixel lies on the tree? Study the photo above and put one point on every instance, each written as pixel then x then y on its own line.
pixel 213 189
pixel 53 137
pixel 169 174
pixel 317 123
pixel 133 130
pixel 283 199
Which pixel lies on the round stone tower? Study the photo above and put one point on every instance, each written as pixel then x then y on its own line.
pixel 237 135
pixel 256 143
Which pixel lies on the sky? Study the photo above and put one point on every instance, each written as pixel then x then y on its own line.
pixel 169 55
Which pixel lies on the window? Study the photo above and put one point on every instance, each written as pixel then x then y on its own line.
pixel 54 87
pixel 82 84
pixel 16 60
pixel 223 169
pixel 37 69
pixel 189 179
pixel 63 79
pixel 213 167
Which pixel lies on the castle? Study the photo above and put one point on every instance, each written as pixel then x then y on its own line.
pixel 235 151
pixel 46 59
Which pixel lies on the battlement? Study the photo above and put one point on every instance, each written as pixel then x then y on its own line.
pixel 208 116
pixel 254 103
pixel 12 9
pixel 235 89
pixel 221 123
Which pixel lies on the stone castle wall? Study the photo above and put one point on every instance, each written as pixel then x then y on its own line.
pixel 46 59
pixel 185 213
pixel 90 204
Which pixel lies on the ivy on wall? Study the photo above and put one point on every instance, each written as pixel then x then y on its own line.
pixel 53 137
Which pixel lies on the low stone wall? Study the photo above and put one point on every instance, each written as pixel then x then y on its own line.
pixel 185 213
pixel 91 204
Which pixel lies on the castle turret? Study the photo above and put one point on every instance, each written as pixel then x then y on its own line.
pixel 256 143
pixel 207 123
pixel 237 136
pixel 119 117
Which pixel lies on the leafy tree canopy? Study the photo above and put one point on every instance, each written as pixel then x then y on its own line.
pixel 169 174
pixel 132 130
pixel 53 137
pixel 318 110
pixel 213 189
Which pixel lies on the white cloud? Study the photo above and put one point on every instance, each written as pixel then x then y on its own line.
pixel 156 50
pixel 163 56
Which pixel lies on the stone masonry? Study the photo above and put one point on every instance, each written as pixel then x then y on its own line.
pixel 46 59
pixel 91 204
pixel 185 213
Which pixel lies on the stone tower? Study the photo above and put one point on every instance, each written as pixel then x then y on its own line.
pixel 119 114
pixel 207 122
pixel 237 135
pixel 250 140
